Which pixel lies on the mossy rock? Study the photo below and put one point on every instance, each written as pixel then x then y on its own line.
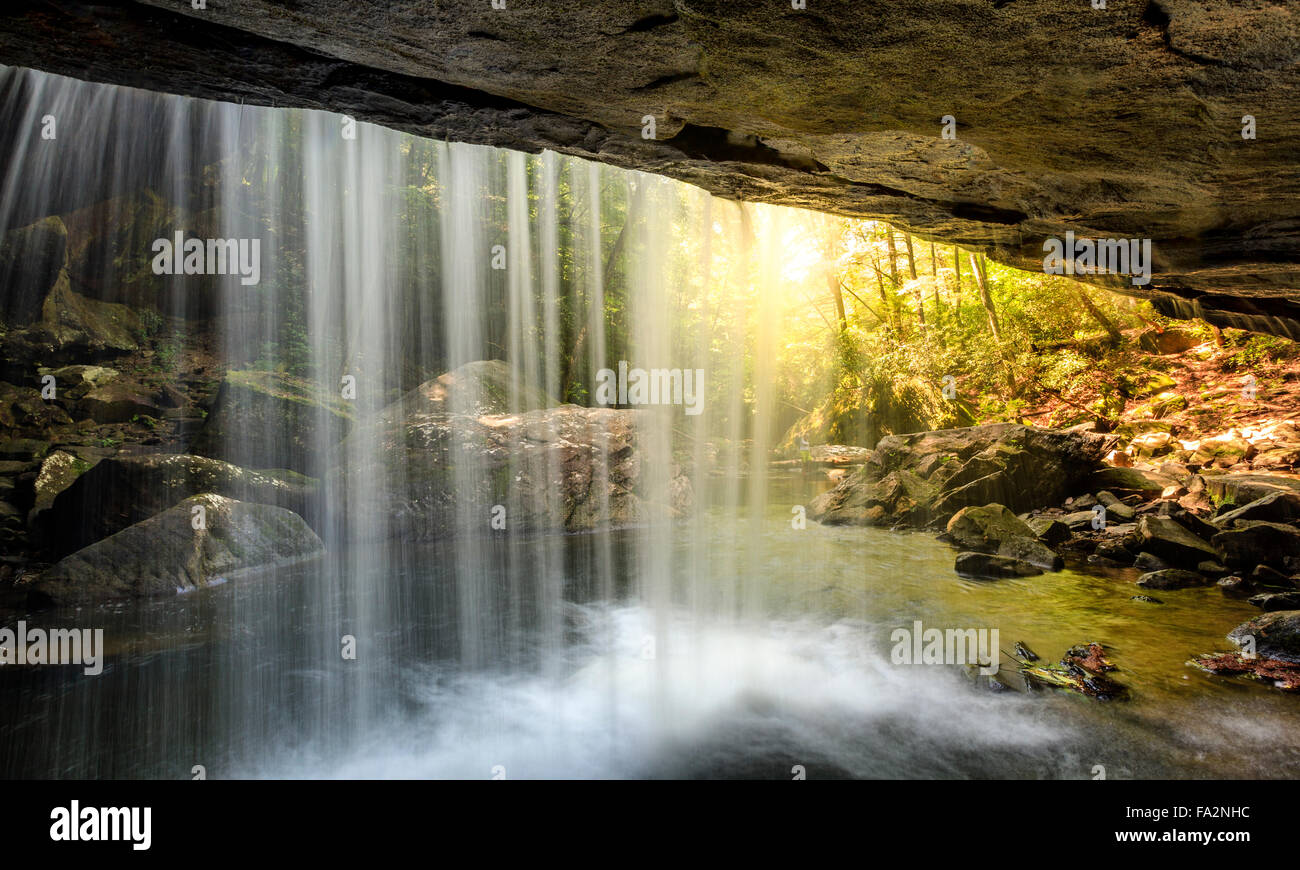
pixel 265 419
pixel 166 554
pixel 1139 386
pixel 476 389
pixel 123 490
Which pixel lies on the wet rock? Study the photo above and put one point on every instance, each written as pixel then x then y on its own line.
pixel 1050 531
pixel 1116 510
pixel 12 524
pixel 25 450
pixel 57 323
pixel 31 260
pixel 1274 635
pixel 559 469
pixel 1263 575
pixel 993 527
pixel 308 418
pixel 1033 551
pixel 58 471
pixel 1236 585
pixel 1021 467
pixel 1274 601
pixel 166 554
pixel 24 408
pixel 1025 653
pixel 1081 503
pixel 1172 578
pixel 1130 481
pixel 119 403
pixel 1081 521
pixel 1114 551
pixel 1211 569
pixel 1201 528
pixel 1259 543
pixel 1145 599
pixel 1172 542
pixel 75 381
pixel 986 565
pixel 476 389
pixel 1148 562
pixel 985 527
pixel 124 490
pixel 1242 489
pixel 1276 507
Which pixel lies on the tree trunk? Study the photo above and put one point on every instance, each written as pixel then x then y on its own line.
pixel 838 295
pixel 884 296
pixel 1097 315
pixel 893 259
pixel 956 299
pixel 982 283
pixel 575 356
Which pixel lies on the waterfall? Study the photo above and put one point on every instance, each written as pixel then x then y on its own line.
pixel 423 363
pixel 387 260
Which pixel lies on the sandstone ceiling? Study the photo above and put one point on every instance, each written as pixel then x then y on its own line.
pixel 1116 122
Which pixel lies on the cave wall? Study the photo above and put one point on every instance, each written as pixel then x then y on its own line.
pixel 1123 122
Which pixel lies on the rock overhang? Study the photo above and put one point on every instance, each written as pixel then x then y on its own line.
pixel 1124 122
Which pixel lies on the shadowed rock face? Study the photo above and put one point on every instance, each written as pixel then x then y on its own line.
pixel 1117 123
pixel 924 479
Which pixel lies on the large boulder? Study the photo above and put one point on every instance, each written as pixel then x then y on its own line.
pixel 76 381
pixel 119 403
pixel 476 388
pixel 1241 489
pixel 984 528
pixel 560 469
pixel 1260 543
pixel 1170 541
pixel 1275 635
pixel 58 471
pixel 22 408
pixel 1172 578
pixel 56 323
pixel 1130 481
pixel 264 419
pixel 179 550
pixel 902 483
pixel 31 260
pixel 124 490
pixel 1277 507
pixel 993 528
pixel 985 565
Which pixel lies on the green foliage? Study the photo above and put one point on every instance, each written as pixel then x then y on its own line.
pixel 168 351
pixel 151 323
pixel 1255 350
